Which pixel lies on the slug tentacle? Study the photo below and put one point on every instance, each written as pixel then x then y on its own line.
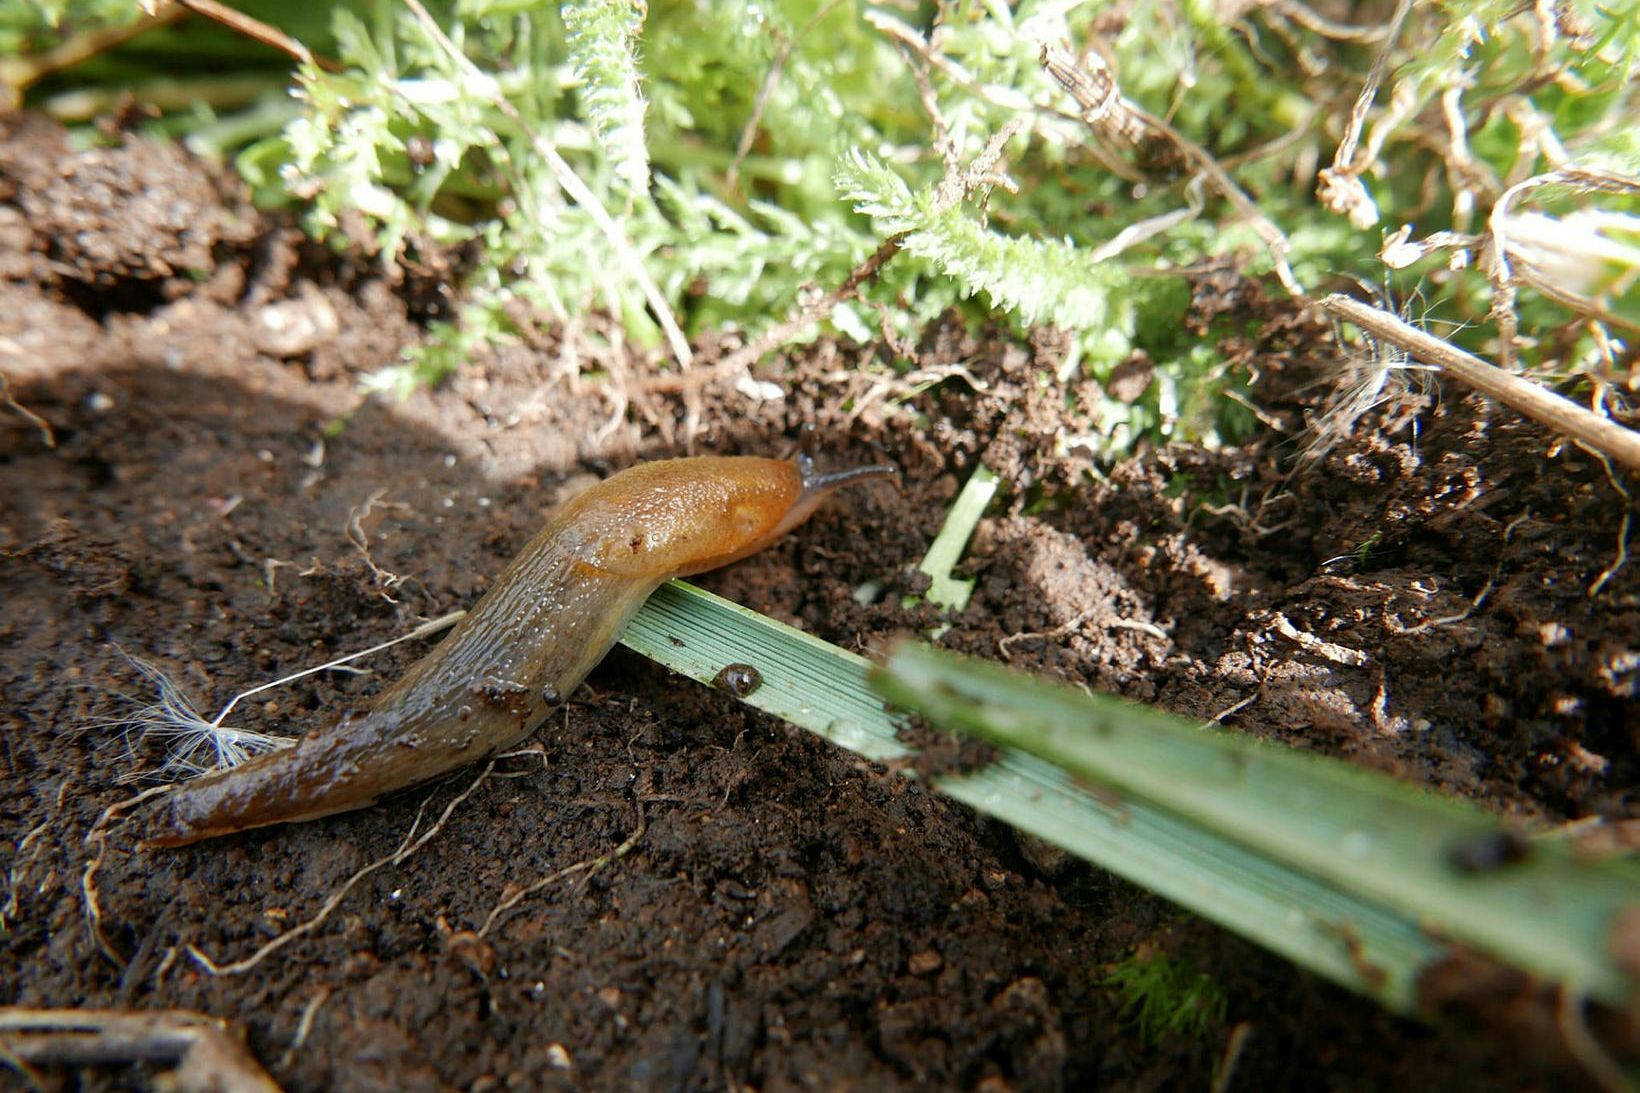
pixel 529 641
pixel 814 482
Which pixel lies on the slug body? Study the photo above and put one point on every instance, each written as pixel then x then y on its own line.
pixel 529 641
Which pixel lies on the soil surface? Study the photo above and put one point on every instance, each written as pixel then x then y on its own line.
pixel 199 482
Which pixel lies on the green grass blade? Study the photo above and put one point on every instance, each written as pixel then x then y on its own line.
pixel 1353 831
pixel 824 689
pixel 806 681
pixel 944 589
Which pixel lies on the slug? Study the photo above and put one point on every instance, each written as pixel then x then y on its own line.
pixel 527 643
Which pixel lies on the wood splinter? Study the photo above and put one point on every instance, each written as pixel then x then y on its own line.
pixel 209 1056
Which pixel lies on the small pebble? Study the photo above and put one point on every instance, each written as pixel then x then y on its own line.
pixel 926 962
pixel 291 328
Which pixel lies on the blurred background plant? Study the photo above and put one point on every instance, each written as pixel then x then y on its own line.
pixel 739 159
pixel 1164 996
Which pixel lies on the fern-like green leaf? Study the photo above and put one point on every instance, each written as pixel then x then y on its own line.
pixel 1039 280
pixel 602 38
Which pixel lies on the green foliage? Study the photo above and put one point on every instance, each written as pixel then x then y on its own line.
pixel 601 36
pixel 37 24
pixel 752 149
pixel 1165 998
pixel 1038 280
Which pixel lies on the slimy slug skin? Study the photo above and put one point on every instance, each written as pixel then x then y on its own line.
pixel 527 643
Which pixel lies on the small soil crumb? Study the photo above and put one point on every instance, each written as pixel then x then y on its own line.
pixel 926 962
pixel 936 752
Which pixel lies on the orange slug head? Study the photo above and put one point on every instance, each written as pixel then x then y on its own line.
pixel 675 517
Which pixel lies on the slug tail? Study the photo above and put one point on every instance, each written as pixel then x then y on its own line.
pixel 319 776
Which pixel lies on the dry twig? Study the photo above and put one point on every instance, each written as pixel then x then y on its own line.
pixel 361 539
pixel 589 867
pixel 304 1025
pixel 257 30
pixel 17 872
pixel 1618 562
pixel 746 356
pixel 1108 112
pixel 98 837
pixel 731 177
pixel 18 74
pixel 48 435
pixel 1597 1063
pixel 1313 21
pixel 1516 392
pixel 1341 189
pixel 1547 254
pixel 1327 650
pixel 210 1057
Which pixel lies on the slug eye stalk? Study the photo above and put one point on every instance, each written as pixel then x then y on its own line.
pixel 822 484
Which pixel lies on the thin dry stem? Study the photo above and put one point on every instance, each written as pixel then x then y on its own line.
pixel 257 30
pixel 1327 650
pixel 900 388
pixel 304 1026
pixel 98 837
pixel 48 435
pixel 18 872
pixel 1596 1062
pixel 406 848
pixel 1394 627
pixel 771 80
pixel 1233 708
pixel 18 74
pixel 1340 187
pixel 1107 111
pixel 1233 1048
pixel 1617 563
pixel 590 866
pixel 771 339
pixel 1310 20
pixel 1063 629
pixel 1518 393
pixel 361 539
pixel 1059 125
pixel 1507 265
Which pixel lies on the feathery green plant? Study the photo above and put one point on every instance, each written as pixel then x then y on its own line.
pixel 601 37
pixel 752 149
pixel 1164 996
pixel 1037 280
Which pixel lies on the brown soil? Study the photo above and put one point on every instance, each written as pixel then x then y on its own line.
pixel 790 916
